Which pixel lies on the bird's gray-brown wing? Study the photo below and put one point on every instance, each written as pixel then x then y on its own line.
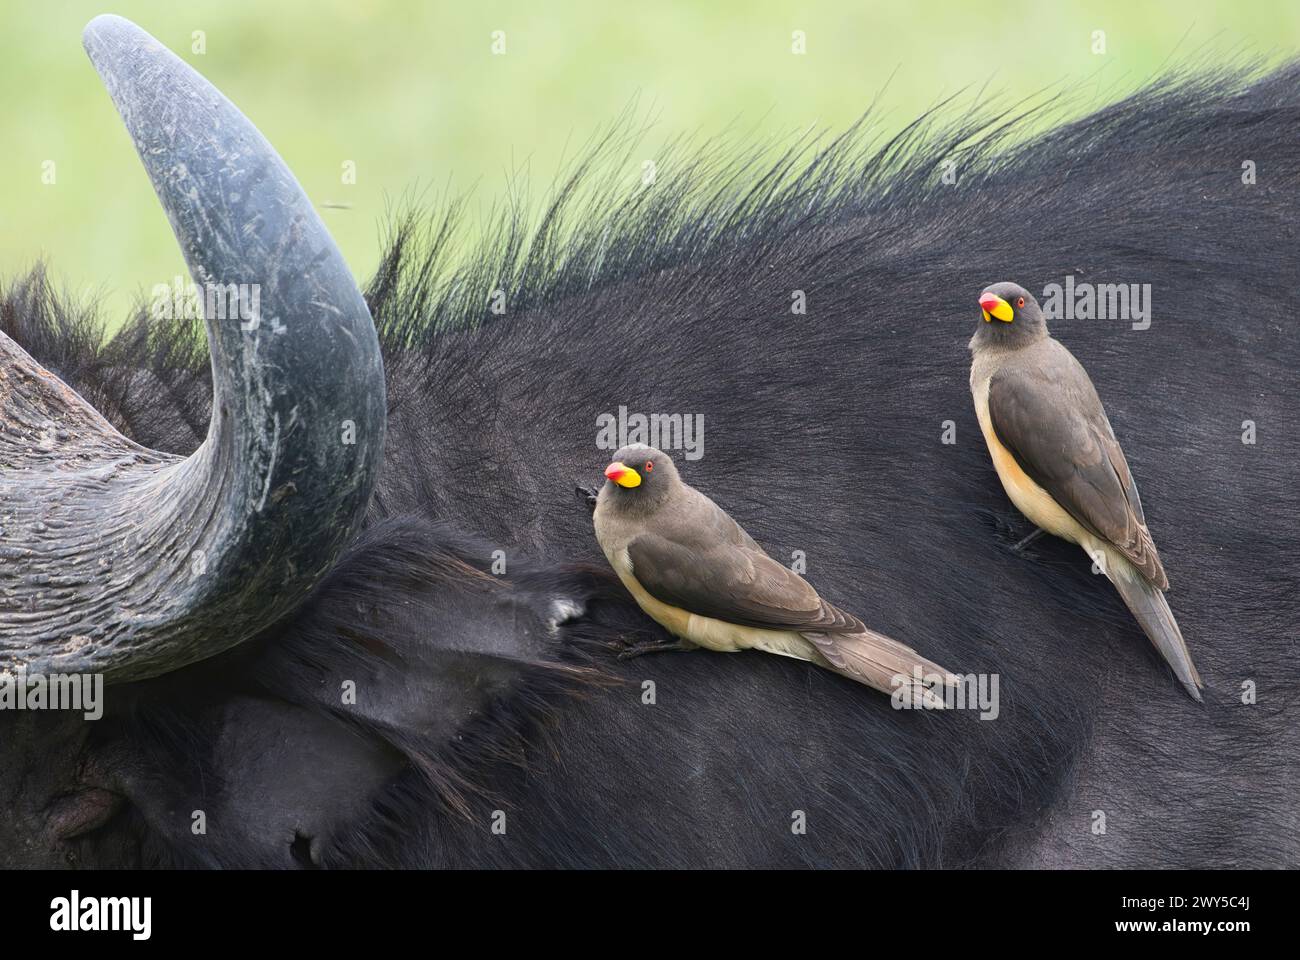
pixel 708 566
pixel 733 582
pixel 742 585
pixel 1053 423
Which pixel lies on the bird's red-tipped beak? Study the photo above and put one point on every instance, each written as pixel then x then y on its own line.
pixel 623 475
pixel 995 306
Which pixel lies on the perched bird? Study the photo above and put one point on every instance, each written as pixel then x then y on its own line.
pixel 1060 463
pixel 697 573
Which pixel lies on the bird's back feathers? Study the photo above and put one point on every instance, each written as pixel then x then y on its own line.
pixel 1046 412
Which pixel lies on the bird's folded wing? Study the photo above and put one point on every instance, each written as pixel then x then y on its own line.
pixel 880 661
pixel 735 583
pixel 1063 441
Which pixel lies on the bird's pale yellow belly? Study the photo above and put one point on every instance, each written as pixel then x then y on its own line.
pixel 706 631
pixel 1030 499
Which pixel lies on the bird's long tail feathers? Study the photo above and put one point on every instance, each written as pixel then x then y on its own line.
pixel 1148 604
pixel 887 665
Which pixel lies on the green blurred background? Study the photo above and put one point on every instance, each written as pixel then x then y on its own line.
pixel 414 96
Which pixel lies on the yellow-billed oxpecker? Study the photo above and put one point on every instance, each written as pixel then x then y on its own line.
pixel 695 571
pixel 1060 463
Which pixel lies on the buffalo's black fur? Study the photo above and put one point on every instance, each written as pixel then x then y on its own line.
pixel 823 435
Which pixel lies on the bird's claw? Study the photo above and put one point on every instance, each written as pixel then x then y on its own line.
pixel 586 494
pixel 633 650
pixel 1018 548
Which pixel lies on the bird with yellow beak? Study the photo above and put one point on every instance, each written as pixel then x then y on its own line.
pixel 1057 457
pixel 699 575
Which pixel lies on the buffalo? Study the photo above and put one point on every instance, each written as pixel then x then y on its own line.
pixel 339 578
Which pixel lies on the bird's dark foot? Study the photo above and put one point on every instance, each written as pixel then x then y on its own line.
pixel 633 650
pixel 587 495
pixel 1020 546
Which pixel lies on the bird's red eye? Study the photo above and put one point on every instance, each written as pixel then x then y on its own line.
pixel 649 465
pixel 1020 301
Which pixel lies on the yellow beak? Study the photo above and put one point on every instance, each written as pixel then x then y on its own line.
pixel 991 303
pixel 623 475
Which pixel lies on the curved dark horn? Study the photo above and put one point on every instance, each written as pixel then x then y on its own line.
pixel 125 561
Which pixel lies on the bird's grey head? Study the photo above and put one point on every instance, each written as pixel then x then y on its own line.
pixel 640 478
pixel 1011 318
